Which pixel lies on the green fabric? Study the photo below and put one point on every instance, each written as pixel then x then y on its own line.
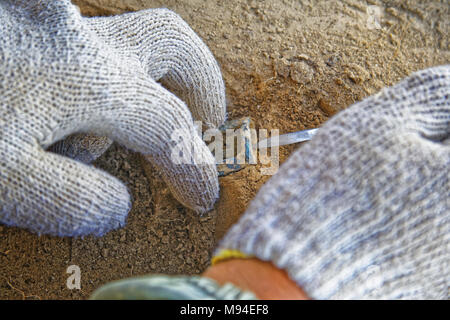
pixel 162 287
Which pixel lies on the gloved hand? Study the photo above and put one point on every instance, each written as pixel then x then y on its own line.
pixel 61 73
pixel 362 210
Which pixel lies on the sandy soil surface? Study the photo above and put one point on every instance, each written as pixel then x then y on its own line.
pixel 289 65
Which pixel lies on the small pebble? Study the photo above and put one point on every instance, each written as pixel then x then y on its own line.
pixel 126 165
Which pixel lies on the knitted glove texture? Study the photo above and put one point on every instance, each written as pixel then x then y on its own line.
pixel 60 74
pixel 363 209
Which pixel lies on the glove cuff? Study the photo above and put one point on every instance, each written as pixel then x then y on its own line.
pixel 227 254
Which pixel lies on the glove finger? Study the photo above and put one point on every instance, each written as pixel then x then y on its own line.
pixel 192 176
pixel 417 105
pixel 178 152
pixel 171 52
pixel 50 194
pixel 145 117
pixel 82 147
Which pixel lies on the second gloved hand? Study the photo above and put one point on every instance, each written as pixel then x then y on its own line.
pixel 362 210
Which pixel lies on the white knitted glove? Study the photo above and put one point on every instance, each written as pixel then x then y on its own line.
pixel 61 73
pixel 363 209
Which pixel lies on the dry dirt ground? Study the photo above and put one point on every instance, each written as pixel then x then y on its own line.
pixel 289 65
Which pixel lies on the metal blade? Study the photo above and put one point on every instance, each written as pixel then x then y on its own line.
pixel 288 138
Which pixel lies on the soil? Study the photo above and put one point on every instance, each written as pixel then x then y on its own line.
pixel 289 65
